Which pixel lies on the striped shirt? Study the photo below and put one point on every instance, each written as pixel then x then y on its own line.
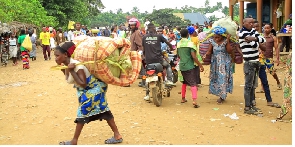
pixel 250 50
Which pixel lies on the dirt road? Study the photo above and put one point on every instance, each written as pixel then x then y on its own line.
pixel 38 107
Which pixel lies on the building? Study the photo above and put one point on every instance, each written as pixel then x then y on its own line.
pixel 264 11
pixel 193 17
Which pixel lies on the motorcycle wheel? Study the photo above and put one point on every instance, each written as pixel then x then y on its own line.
pixel 157 94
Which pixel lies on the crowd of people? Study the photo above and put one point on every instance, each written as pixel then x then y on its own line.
pixel 150 41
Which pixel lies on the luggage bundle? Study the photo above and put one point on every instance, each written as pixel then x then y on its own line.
pixel 108 59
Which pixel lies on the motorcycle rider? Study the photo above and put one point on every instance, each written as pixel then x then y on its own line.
pixel 153 54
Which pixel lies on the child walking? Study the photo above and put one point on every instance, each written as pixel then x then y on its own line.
pixel 186 51
pixel 91 93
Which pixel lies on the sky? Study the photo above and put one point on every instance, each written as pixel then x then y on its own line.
pixel 147 5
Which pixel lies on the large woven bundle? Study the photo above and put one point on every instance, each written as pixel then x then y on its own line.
pixel 114 62
pixel 227 23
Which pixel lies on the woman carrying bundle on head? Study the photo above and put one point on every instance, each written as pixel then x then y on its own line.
pixel 91 93
pixel 221 78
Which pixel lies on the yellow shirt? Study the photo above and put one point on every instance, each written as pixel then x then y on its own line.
pixel 45 37
pixel 195 40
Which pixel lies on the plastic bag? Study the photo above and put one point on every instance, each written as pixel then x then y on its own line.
pixel 227 23
pixel 27 44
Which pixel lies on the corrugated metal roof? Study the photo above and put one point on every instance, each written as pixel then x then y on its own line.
pixel 193 17
pixel 196 18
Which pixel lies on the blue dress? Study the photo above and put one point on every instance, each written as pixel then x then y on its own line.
pixel 221 74
pixel 92 99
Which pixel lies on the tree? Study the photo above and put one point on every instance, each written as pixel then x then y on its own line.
pixel 135 12
pixel 27 11
pixel 225 10
pixel 94 6
pixel 75 10
pixel 165 16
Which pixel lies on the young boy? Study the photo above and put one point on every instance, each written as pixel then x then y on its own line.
pixel 186 51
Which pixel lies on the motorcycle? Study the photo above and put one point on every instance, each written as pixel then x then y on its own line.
pixel 154 80
pixel 173 62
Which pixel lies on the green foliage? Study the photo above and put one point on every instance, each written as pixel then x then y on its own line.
pixel 27 11
pixel 57 13
pixel 165 16
pixel 65 10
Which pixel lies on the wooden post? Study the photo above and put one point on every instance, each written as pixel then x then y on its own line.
pixel 231 10
pixel 288 9
pixel 259 14
pixel 241 10
pixel 274 15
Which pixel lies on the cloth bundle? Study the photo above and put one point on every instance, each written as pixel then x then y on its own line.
pixel 108 59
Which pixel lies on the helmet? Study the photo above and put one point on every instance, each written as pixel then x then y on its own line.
pixel 134 21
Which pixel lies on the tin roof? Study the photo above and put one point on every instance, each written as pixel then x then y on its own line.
pixel 193 17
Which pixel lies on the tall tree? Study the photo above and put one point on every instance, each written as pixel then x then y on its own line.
pixel 75 10
pixel 94 6
pixel 27 11
pixel 165 16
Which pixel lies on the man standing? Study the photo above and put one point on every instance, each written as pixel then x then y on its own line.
pixel 79 31
pixel 249 40
pixel 45 42
pixel 136 41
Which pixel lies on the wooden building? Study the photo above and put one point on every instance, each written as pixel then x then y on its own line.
pixel 264 11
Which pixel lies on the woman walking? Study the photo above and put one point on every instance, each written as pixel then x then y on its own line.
pixel 24 51
pixel 221 78
pixel 91 93
pixel 34 47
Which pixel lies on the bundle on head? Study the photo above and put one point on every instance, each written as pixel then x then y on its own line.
pixel 114 62
pixel 228 24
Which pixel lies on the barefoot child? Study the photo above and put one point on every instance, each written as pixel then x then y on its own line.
pixel 186 51
pixel 91 94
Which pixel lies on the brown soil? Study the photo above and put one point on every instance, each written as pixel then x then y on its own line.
pixel 38 107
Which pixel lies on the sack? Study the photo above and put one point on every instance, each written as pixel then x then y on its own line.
pixel 114 62
pixel 203 50
pixel 227 23
pixel 27 44
pixel 238 58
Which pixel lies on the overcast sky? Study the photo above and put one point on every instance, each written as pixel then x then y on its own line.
pixel 147 5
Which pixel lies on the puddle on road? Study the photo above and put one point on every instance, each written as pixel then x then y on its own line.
pixel 16 84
